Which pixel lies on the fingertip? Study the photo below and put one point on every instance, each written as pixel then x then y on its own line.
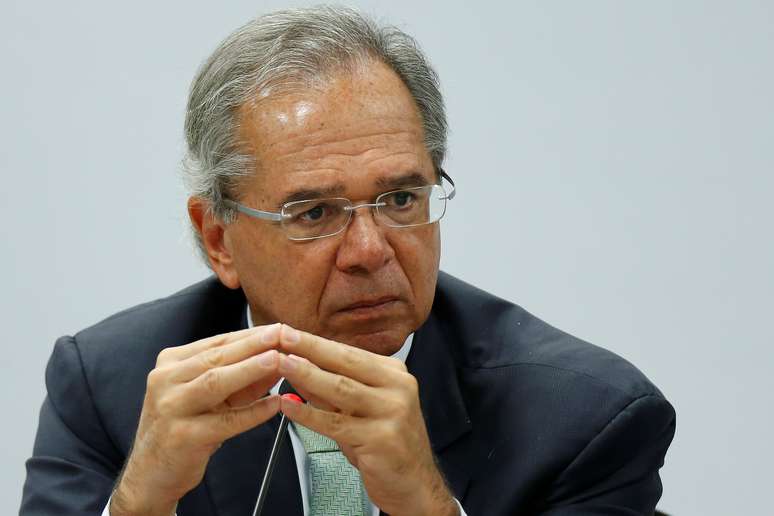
pixel 289 335
pixel 268 358
pixel 270 334
pixel 272 403
pixel 290 404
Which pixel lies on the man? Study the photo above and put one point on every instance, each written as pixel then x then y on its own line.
pixel 315 145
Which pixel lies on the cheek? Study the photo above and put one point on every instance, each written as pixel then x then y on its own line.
pixel 433 261
pixel 419 256
pixel 284 280
pixel 257 253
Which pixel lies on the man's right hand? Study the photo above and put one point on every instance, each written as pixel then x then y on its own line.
pixel 199 395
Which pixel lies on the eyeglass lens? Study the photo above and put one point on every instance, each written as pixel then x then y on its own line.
pixel 401 208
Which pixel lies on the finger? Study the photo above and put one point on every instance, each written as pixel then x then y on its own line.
pixel 226 353
pixel 358 364
pixel 342 428
pixel 349 453
pixel 178 353
pixel 223 425
pixel 314 400
pixel 309 396
pixel 343 393
pixel 247 396
pixel 215 385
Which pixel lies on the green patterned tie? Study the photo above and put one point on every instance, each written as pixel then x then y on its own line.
pixel 337 489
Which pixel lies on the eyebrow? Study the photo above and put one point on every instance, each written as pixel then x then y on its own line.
pixel 393 183
pixel 404 181
pixel 303 194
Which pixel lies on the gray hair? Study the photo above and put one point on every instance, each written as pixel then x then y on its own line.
pixel 279 52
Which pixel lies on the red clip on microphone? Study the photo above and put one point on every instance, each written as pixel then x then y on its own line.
pixel 288 391
pixel 294 397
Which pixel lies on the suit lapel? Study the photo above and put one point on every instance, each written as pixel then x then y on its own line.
pixel 431 361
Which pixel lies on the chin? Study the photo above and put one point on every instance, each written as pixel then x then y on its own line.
pixel 382 342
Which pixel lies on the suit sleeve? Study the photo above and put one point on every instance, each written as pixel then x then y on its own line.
pixel 617 472
pixel 74 464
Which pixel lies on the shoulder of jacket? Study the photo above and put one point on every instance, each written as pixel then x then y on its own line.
pixel 147 328
pixel 492 334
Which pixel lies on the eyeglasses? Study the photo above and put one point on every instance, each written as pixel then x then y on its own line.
pixel 318 218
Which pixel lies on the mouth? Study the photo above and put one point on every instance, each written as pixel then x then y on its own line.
pixel 370 307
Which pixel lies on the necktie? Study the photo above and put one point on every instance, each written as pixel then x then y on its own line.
pixel 337 489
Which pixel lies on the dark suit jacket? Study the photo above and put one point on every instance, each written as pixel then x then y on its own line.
pixel 523 418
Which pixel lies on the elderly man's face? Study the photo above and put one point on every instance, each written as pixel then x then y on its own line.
pixel 357 136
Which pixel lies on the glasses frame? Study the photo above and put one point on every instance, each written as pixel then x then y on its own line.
pixel 275 216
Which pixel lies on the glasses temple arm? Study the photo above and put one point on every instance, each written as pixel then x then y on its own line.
pixel 453 191
pixel 258 214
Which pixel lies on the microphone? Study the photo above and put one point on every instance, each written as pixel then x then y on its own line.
pixel 284 388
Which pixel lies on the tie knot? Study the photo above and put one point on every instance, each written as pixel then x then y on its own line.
pixel 314 442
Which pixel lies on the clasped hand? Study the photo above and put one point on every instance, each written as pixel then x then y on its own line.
pixel 203 393
pixel 369 405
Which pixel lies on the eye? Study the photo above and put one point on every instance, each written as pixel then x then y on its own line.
pixel 402 199
pixel 314 214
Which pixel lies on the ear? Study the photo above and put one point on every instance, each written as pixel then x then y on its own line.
pixel 214 236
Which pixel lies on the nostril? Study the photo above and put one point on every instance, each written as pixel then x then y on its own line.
pixel 364 247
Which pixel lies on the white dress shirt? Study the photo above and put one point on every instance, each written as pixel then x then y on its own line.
pixel 298 448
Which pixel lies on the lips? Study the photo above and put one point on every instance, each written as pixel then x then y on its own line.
pixel 364 305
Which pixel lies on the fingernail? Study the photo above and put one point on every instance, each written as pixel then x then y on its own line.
pixel 290 335
pixel 270 333
pixel 289 363
pixel 268 358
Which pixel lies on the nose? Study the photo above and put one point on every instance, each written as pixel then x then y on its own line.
pixel 364 247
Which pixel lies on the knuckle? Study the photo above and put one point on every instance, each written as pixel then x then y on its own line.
pixel 368 465
pixel 230 418
pixel 397 364
pixel 154 380
pixel 401 407
pixel 164 356
pixel 392 431
pixel 401 403
pixel 210 380
pixel 344 387
pixel 410 385
pixel 165 405
pixel 336 424
pixel 384 435
pixel 212 358
pixel 352 359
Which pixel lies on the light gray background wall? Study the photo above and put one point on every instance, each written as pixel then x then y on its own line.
pixel 614 163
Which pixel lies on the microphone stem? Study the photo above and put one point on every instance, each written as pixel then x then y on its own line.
pixel 270 467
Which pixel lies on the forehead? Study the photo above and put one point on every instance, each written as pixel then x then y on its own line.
pixel 355 126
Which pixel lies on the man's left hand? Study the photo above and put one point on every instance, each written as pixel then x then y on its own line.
pixel 368 404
